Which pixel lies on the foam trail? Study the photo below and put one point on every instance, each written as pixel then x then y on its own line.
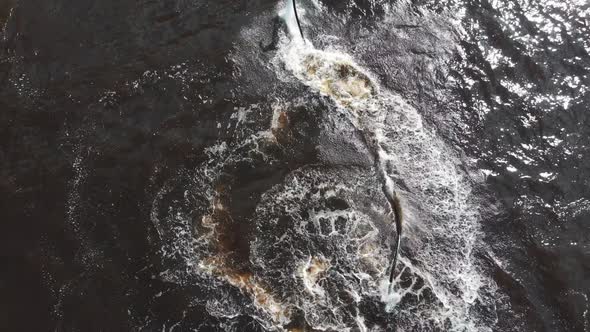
pixel 444 217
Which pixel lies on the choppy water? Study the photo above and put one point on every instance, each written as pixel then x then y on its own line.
pixel 191 165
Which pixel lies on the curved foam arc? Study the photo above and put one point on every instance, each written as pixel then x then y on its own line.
pixel 202 250
pixel 428 168
pixel 213 263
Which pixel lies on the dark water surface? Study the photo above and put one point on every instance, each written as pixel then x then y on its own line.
pixel 164 166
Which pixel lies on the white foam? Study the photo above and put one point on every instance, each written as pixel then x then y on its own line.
pixel 442 216
pixel 443 235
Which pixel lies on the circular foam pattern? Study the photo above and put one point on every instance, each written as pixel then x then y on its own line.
pixel 322 242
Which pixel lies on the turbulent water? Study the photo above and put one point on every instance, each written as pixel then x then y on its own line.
pixel 198 166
